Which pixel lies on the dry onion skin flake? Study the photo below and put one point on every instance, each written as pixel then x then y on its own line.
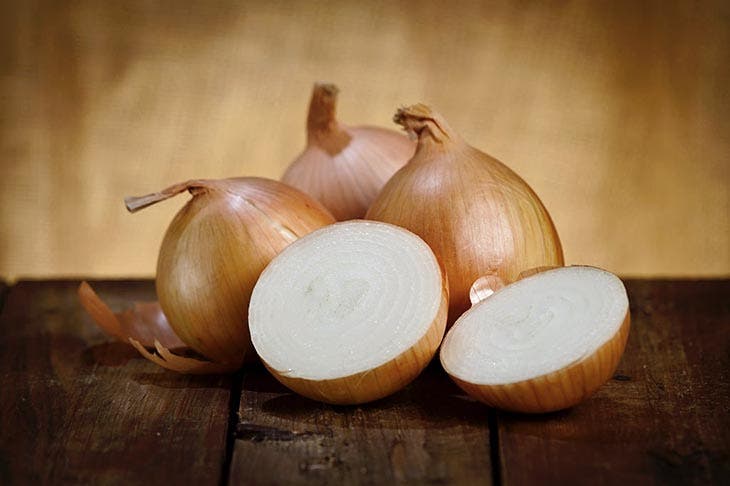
pixel 350 313
pixel 543 343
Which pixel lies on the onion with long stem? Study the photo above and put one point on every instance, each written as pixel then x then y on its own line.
pixel 344 167
pixel 210 258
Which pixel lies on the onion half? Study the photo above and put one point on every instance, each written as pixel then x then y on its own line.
pixel 543 343
pixel 350 313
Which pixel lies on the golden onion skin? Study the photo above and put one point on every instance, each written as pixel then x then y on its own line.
pixel 479 217
pixel 213 252
pixel 345 167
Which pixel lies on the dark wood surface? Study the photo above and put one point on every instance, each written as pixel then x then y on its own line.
pixel 3 291
pixel 428 433
pixel 77 408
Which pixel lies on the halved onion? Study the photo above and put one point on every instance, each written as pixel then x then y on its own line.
pixel 349 313
pixel 543 343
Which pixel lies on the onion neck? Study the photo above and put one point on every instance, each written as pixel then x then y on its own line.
pixel 196 186
pixel 430 128
pixel 323 129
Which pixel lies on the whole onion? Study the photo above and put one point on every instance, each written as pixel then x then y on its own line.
pixel 211 256
pixel 478 216
pixel 345 167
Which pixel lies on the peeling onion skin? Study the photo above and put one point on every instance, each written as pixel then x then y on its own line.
pixel 144 321
pixel 145 326
pixel 345 167
pixel 478 216
pixel 383 377
pixel 559 389
pixel 210 258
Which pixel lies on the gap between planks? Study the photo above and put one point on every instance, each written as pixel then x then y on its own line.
pixel 233 418
pixel 428 432
pixel 494 449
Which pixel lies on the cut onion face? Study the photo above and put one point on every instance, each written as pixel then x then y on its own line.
pixel 349 313
pixel 543 343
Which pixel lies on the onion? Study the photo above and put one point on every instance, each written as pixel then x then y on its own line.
pixel 543 343
pixel 479 217
pixel 350 313
pixel 345 167
pixel 211 256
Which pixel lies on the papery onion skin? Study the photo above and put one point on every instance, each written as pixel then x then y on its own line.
pixel 345 167
pixel 560 389
pixel 144 321
pixel 377 383
pixel 213 252
pixel 478 216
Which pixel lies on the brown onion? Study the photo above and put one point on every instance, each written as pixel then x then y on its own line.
pixel 479 217
pixel 210 258
pixel 345 167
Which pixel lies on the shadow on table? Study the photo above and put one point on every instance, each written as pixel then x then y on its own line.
pixel 432 397
pixel 123 356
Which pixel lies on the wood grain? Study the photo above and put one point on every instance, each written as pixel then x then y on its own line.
pixel 665 416
pixel 616 113
pixel 428 433
pixel 77 409
pixel 80 409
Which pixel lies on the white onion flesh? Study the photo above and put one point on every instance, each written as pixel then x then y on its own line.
pixel 536 326
pixel 344 300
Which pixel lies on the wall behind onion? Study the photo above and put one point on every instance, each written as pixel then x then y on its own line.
pixel 617 113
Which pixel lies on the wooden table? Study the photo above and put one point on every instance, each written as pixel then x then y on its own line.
pixel 79 408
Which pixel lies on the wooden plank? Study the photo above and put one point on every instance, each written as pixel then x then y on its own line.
pixel 428 433
pixel 663 419
pixel 80 409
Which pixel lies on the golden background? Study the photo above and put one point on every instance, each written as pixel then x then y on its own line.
pixel 617 114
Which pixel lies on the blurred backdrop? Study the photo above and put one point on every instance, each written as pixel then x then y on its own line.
pixel 617 113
